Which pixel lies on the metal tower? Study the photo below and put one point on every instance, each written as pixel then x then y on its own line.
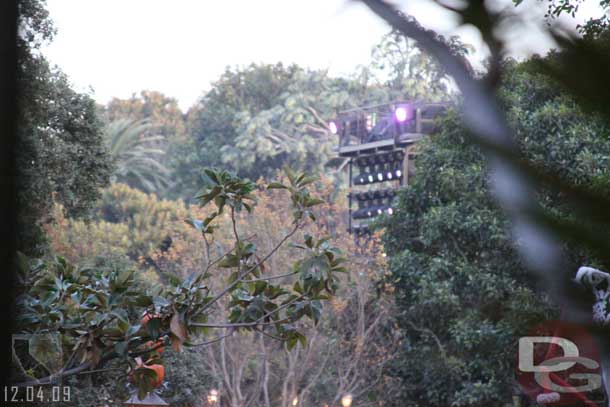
pixel 377 144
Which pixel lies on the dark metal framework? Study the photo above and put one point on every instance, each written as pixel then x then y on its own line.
pixel 378 141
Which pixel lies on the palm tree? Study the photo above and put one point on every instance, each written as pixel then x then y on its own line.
pixel 136 154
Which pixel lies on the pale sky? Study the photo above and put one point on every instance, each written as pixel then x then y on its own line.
pixel 119 47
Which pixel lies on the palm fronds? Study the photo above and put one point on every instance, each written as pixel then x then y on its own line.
pixel 137 155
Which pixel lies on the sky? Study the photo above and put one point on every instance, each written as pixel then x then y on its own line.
pixel 114 48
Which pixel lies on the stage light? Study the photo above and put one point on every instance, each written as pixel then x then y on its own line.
pixel 398 173
pixel 213 396
pixel 390 211
pixel 363 178
pixel 389 174
pixel 380 176
pixel 401 114
pixel 333 127
pixel 346 401
pixel 379 211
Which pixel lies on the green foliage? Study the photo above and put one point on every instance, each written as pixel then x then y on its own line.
pixel 212 122
pixel 189 380
pixel 187 383
pixel 128 222
pixel 406 73
pixel 60 152
pixel 223 189
pixel 293 130
pixel 106 316
pixel 161 111
pixel 452 254
pixel 166 121
pixel 136 155
pixel 592 27
pixel 258 119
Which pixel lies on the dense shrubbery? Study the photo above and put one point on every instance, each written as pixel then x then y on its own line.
pixel 452 255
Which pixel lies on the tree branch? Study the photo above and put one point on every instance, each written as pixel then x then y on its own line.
pixel 239 279
pixel 221 337
pixel 272 277
pixel 254 323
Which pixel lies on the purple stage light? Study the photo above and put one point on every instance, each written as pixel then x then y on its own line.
pixel 401 113
pixel 333 127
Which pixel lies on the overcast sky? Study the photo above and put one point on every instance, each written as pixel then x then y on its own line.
pixel 119 47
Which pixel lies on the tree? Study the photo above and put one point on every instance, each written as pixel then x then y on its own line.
pixel 259 118
pixel 104 316
pixel 580 69
pixel 347 349
pixel 166 120
pixel 136 157
pixel 293 130
pixel 256 119
pixel 452 253
pixel 406 72
pixel 211 122
pixel 162 111
pixel 592 27
pixel 150 232
pixel 60 151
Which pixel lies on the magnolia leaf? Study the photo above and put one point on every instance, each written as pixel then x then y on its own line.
pixel 178 327
pixel 276 185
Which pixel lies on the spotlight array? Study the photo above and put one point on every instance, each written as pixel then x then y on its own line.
pixel 374 169
pixel 373 138
pixel 379 168
pixel 373 203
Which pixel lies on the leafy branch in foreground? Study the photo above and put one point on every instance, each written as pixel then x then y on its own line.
pixel 106 315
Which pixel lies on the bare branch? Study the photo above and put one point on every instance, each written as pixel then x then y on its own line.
pixel 211 341
pixel 316 116
pixel 429 332
pixel 272 277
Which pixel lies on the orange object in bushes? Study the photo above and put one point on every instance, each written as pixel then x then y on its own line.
pixel 151 344
pixel 147 317
pixel 158 369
